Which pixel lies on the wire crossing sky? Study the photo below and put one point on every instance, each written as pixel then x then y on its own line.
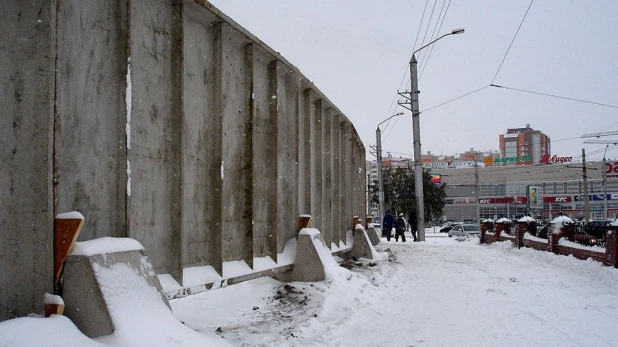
pixel 555 60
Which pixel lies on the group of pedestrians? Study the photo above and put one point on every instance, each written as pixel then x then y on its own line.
pixel 400 225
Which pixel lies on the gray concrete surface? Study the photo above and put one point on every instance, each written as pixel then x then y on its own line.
pixel 223 144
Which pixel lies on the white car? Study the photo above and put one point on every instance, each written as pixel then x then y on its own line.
pixel 465 230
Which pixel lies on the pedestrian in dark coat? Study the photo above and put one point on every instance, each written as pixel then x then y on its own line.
pixel 400 228
pixel 387 225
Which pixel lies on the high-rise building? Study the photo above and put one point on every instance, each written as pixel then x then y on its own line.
pixel 524 146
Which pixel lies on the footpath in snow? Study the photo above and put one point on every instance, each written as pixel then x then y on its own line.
pixel 441 292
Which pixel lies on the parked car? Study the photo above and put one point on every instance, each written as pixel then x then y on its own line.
pixel 579 235
pixel 447 226
pixel 597 228
pixel 464 230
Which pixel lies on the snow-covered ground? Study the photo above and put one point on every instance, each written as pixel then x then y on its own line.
pixel 442 292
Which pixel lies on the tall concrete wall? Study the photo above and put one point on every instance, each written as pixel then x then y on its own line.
pixel 164 121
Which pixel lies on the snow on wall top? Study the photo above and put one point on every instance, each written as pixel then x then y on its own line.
pixel 106 245
pixel 562 220
pixel 526 219
pixel 70 215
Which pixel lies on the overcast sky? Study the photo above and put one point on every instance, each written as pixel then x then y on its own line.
pixel 357 53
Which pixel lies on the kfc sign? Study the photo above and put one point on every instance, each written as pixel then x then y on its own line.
pixel 558 199
pixel 485 201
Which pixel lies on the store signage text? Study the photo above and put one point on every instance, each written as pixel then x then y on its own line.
pixel 555 159
pixel 451 164
pixel 512 159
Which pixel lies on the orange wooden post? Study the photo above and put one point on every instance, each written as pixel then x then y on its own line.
pixel 355 220
pixel 53 304
pixel 368 220
pixel 66 230
pixel 304 221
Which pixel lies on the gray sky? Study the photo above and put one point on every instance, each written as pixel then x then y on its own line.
pixel 357 53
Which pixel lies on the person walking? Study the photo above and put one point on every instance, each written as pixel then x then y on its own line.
pixel 413 226
pixel 400 228
pixel 387 225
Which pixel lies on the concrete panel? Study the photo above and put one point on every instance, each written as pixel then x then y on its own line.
pixel 336 178
pixel 362 179
pixel 27 52
pixel 288 108
pixel 237 133
pixel 349 174
pixel 304 152
pixel 315 131
pixel 201 131
pixel 155 153
pixel 264 94
pixel 91 114
pixel 343 212
pixel 327 176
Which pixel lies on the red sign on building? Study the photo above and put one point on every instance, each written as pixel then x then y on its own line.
pixel 556 199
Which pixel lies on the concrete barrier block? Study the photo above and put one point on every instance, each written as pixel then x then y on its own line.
pixel 89 289
pixel 373 236
pixel 308 266
pixel 362 246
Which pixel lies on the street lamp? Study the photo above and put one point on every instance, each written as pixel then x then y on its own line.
pixel 416 135
pixel 379 155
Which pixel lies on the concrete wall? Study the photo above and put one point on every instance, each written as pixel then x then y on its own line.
pixel 167 122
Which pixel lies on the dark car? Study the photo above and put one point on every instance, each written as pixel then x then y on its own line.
pixel 597 228
pixel 579 235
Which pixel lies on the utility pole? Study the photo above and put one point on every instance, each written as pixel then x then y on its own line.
pixel 380 182
pixel 585 173
pixel 418 165
pixel 379 156
pixel 476 190
pixel 604 183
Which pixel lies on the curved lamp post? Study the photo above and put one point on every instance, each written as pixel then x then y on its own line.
pixel 416 135
pixel 379 156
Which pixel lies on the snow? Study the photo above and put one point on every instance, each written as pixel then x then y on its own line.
pixel 526 219
pixel 527 236
pixel 106 245
pixel 70 215
pixel 561 220
pixel 564 242
pixel 52 299
pixel 435 293
pixel 309 231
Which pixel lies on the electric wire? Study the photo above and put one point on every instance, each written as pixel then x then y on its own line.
pixel 428 25
pixel 513 40
pixel 432 47
pixel 457 98
pixel 433 35
pixel 554 96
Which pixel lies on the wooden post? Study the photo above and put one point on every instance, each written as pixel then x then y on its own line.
pixel 304 221
pixel 66 231
pixel 53 304
pixel 368 220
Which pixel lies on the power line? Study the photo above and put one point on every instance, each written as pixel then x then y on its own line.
pixel 433 34
pixel 427 29
pixel 439 30
pixel 457 98
pixel 554 96
pixel 513 40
